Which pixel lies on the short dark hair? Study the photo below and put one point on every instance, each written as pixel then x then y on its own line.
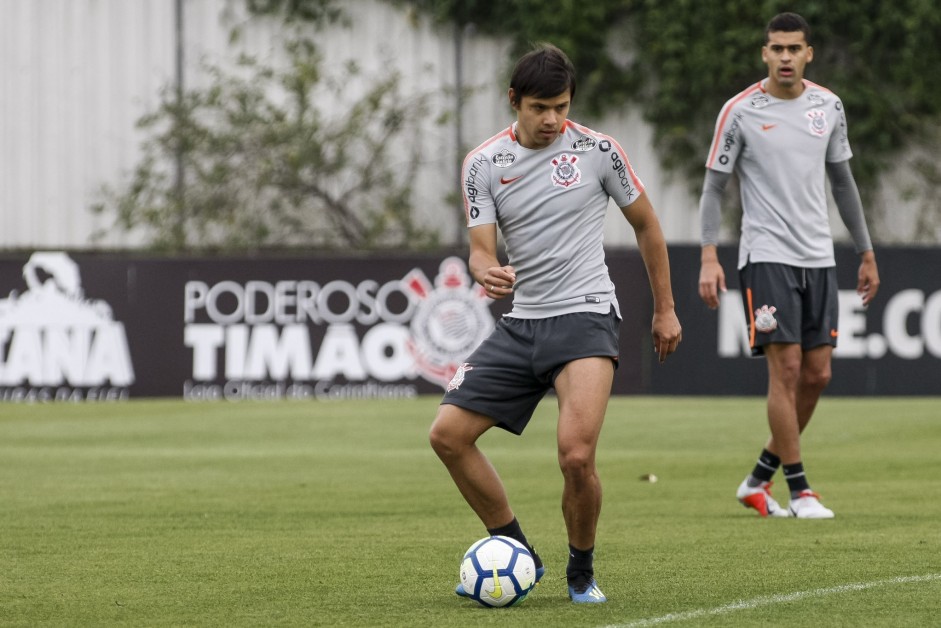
pixel 788 23
pixel 543 72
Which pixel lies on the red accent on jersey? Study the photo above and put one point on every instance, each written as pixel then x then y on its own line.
pixel 471 154
pixel 634 178
pixel 725 114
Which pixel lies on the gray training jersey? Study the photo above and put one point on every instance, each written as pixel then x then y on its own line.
pixel 779 148
pixel 550 206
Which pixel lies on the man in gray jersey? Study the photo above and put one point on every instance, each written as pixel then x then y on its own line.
pixel 546 181
pixel 781 136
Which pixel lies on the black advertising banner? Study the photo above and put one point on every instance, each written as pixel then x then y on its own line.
pixel 94 327
pixel 893 347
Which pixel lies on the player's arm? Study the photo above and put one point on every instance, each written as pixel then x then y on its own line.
pixel 846 195
pixel 666 329
pixel 711 275
pixel 484 266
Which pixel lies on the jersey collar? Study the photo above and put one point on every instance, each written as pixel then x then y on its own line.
pixel 512 130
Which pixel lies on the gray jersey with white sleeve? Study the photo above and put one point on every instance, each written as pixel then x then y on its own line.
pixel 779 149
pixel 550 205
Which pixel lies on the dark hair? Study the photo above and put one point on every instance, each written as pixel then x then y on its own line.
pixel 788 23
pixel 543 72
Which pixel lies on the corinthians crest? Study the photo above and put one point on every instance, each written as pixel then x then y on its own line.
pixel 564 172
pixel 451 319
pixel 818 121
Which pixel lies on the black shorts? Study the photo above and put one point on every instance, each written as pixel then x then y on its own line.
pixel 507 376
pixel 805 301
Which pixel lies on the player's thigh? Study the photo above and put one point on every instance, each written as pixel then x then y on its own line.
pixel 583 388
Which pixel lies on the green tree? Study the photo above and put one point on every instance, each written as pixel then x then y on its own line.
pixel 264 165
pixel 680 60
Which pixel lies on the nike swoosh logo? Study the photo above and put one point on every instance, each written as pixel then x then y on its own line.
pixel 504 180
pixel 834 333
pixel 768 127
pixel 497 592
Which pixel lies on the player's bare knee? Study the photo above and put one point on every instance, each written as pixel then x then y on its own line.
pixel 816 379
pixel 577 464
pixel 441 441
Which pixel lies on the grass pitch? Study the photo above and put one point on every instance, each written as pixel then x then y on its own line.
pixel 168 513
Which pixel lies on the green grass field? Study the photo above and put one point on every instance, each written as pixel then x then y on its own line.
pixel 167 513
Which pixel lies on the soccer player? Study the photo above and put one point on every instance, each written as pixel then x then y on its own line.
pixel 546 181
pixel 781 136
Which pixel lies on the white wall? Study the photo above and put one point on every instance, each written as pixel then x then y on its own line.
pixel 77 74
pixel 74 77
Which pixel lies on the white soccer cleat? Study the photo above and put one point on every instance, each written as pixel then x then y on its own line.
pixel 759 498
pixel 807 506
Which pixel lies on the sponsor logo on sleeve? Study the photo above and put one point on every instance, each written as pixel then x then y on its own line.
pixel 584 144
pixel 470 181
pixel 730 137
pixel 503 159
pixel 620 167
pixel 815 99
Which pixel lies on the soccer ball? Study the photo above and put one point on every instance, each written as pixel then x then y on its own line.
pixel 498 571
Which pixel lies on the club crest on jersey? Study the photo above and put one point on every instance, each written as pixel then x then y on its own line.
pixel 564 171
pixel 818 121
pixel 503 159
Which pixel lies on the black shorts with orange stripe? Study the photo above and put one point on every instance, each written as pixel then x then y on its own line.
pixel 790 305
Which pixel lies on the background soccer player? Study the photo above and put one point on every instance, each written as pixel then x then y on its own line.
pixel 545 181
pixel 780 136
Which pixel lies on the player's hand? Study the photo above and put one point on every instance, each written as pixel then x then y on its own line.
pixel 667 333
pixel 499 281
pixel 711 282
pixel 867 283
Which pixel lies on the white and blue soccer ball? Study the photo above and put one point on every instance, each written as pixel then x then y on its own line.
pixel 498 571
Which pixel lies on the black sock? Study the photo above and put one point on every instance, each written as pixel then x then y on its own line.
pixel 764 469
pixel 513 530
pixel 796 479
pixel 581 564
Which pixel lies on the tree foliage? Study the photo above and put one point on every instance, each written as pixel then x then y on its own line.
pixel 256 160
pixel 680 60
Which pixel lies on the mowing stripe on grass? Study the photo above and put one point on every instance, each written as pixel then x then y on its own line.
pixel 768 600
